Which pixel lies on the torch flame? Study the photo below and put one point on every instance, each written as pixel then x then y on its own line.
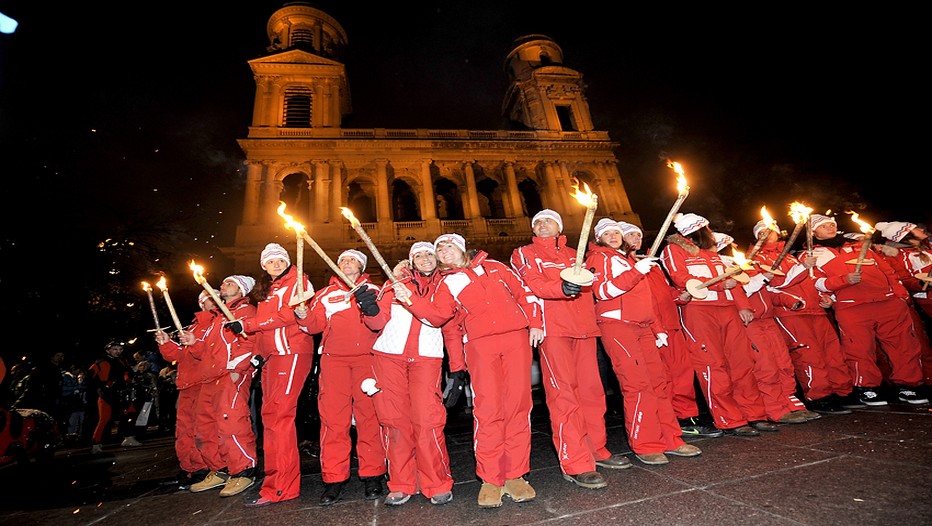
pixel 146 287
pixel 681 186
pixel 348 214
pixel 289 221
pixel 865 227
pixel 799 212
pixel 740 260
pixel 198 272
pixel 161 284
pixel 584 198
pixel 769 221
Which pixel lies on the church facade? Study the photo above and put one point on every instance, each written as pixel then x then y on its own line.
pixel 407 185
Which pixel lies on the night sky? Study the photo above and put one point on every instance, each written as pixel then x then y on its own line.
pixel 121 124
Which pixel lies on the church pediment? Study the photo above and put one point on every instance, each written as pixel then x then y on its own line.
pixel 295 56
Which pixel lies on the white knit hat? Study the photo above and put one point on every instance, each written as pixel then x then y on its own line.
pixel 819 219
pixel 605 224
pixel 627 228
pixel 355 254
pixel 420 246
pixel 203 297
pixel 759 227
pixel 273 251
pixel 722 240
pixel 456 239
pixel 689 223
pixel 894 230
pixel 548 214
pixel 245 283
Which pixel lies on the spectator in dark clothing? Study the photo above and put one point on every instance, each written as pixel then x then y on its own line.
pixel 42 388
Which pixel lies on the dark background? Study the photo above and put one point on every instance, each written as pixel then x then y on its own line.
pixel 118 126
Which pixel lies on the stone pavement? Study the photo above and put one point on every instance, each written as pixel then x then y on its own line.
pixel 872 467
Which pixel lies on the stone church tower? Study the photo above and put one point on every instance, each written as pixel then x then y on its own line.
pixel 407 185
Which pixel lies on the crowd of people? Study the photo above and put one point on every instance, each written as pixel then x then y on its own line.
pixel 701 343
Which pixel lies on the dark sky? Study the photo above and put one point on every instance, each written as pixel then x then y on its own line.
pixel 122 122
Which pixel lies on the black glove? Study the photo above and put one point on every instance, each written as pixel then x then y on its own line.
pixel 455 386
pixel 571 289
pixel 257 361
pixel 234 326
pixel 366 299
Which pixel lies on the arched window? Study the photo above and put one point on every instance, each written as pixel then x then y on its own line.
pixel 404 202
pixel 298 107
pixel 447 194
pixel 530 197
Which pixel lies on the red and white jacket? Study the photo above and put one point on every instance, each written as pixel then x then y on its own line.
pixel 275 322
pixel 221 351
pixel 487 297
pixel 335 313
pixel 403 335
pixel 539 265
pixel 622 293
pixel 684 260
pixel 878 281
pixel 192 369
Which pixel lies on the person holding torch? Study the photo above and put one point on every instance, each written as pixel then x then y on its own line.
pixel 569 363
pixel 714 327
pixel 345 361
pixel 285 352
pixel 871 312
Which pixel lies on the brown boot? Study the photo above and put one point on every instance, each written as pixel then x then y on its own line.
pixel 519 490
pixel 490 495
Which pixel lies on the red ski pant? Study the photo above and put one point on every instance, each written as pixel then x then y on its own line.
pixel 189 456
pixel 411 412
pixel 206 431
pixel 649 418
pixel 235 438
pixel 500 371
pixel 340 401
pixel 816 353
pixel 283 379
pixel 773 369
pixel 675 357
pixel 889 323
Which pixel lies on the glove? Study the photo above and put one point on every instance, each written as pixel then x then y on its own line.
pixel 643 266
pixel 571 289
pixel 451 395
pixel 366 299
pixel 257 361
pixel 661 340
pixel 234 326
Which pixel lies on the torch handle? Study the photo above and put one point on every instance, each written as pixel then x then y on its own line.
pixel 333 266
pixel 721 277
pixel 155 314
pixel 377 255
pixel 171 309
pixel 787 246
pixel 666 224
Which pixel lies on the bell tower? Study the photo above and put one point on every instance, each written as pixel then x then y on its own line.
pixel 544 94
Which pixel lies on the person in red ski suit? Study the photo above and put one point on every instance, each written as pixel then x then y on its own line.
pixel 870 309
pixel 632 337
pixel 345 361
pixel 501 323
pixel 569 363
pixel 285 353
pixel 714 328
pixel 407 363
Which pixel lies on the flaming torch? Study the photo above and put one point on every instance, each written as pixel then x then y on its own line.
pixel 199 277
pixel 155 315
pixel 300 235
pixel 348 214
pixel 163 286
pixel 868 230
pixel 577 274
pixel 800 214
pixel 683 190
pixel 765 233
pixel 699 289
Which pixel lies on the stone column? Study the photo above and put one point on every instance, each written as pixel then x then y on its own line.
pixel 428 204
pixel 253 193
pixel 471 193
pixel 383 204
pixel 321 192
pixel 513 200
pixel 272 191
pixel 336 194
pixel 554 198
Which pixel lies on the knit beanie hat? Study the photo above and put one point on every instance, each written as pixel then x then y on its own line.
pixel 604 225
pixel 759 227
pixel 722 240
pixel 273 251
pixel 355 254
pixel 894 230
pixel 420 246
pixel 245 283
pixel 689 223
pixel 627 228
pixel 548 214
pixel 819 219
pixel 456 239
pixel 202 297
